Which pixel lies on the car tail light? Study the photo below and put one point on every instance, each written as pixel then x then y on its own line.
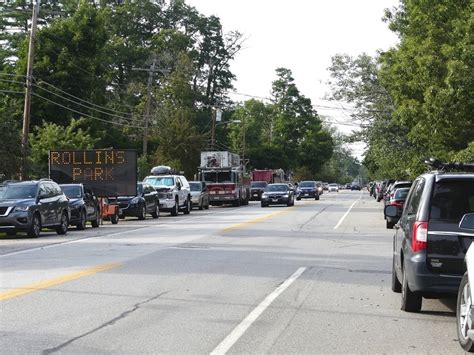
pixel 420 235
pixel 397 203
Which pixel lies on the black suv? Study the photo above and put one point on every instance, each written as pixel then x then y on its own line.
pixel 145 201
pixel 429 246
pixel 29 206
pixel 84 205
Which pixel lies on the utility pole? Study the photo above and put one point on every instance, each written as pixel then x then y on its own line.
pixel 213 129
pixel 29 77
pixel 146 115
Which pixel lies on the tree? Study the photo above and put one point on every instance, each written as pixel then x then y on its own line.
pixel 51 136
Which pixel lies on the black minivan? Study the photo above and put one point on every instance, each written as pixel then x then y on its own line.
pixel 428 245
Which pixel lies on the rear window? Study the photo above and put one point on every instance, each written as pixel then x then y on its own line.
pixel 401 193
pixel 451 200
pixel 259 184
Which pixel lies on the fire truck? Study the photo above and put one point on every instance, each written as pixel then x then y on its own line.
pixel 225 177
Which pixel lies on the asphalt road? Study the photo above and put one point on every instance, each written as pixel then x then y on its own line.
pixel 313 278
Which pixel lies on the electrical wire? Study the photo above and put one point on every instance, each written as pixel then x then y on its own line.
pixel 84 114
pixel 80 104
pixel 12 92
pixel 77 98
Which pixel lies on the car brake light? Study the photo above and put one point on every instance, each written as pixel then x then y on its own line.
pixel 420 234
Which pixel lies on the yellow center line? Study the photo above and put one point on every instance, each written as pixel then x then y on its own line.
pixel 20 291
pixel 256 220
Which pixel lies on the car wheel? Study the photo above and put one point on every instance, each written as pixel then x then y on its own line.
pixel 142 214
pixel 389 225
pixel 207 205
pixel 411 301
pixel 201 204
pixel 316 197
pixel 96 222
pixel 156 211
pixel 396 285
pixel 175 210
pixel 463 314
pixel 298 199
pixel 187 209
pixel 82 221
pixel 35 227
pixel 114 218
pixel 62 228
pixel 263 205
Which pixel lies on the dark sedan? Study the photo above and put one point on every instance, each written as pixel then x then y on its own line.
pixel 145 201
pixel 256 190
pixel 278 194
pixel 84 206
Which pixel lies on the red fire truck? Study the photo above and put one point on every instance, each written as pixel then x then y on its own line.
pixel 225 177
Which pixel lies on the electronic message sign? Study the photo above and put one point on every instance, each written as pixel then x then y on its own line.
pixel 108 172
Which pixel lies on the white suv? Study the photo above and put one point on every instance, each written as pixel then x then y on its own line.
pixel 174 192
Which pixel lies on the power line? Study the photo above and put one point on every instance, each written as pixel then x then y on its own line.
pixel 84 114
pixel 77 98
pixel 80 104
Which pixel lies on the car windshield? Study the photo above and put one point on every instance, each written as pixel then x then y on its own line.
pixel 306 184
pixel 195 186
pixel 401 194
pixel 160 180
pixel 334 185
pixel 259 184
pixel 276 188
pixel 72 191
pixel 451 200
pixel 18 191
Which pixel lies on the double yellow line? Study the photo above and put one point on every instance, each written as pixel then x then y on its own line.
pixel 56 281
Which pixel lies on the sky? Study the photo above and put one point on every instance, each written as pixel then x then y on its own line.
pixel 301 35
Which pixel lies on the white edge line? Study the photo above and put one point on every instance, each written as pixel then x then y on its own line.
pixel 238 331
pixel 65 243
pixel 347 212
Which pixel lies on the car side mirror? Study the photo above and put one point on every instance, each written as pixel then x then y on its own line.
pixel 467 221
pixel 391 211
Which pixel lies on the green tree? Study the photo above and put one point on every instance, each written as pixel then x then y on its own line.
pixel 51 136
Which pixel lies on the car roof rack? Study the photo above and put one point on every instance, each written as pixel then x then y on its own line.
pixel 436 164
pixel 163 170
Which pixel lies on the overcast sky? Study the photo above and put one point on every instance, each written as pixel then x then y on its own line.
pixel 301 35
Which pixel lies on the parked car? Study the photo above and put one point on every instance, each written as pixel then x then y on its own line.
pixel 333 187
pixel 428 246
pixel 199 194
pixel 278 194
pixel 397 199
pixel 325 186
pixel 30 206
pixel 307 189
pixel 173 190
pixel 145 201
pixel 256 190
pixel 389 191
pixel 464 309
pixel 84 205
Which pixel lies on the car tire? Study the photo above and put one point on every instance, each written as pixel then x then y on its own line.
pixel 96 222
pixel 263 204
pixel 298 199
pixel 201 204
pixel 64 222
pixel 207 205
pixel 175 210
pixel 396 285
pixel 316 197
pixel 411 301
pixel 142 214
pixel 35 228
pixel 463 307
pixel 389 225
pixel 187 208
pixel 82 221
pixel 114 218
pixel 156 211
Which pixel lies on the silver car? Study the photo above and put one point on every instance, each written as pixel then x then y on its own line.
pixel 199 194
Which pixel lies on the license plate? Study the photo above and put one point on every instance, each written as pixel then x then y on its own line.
pixel 275 200
pixel 306 194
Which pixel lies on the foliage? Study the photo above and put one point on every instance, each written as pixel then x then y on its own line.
pixel 51 136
